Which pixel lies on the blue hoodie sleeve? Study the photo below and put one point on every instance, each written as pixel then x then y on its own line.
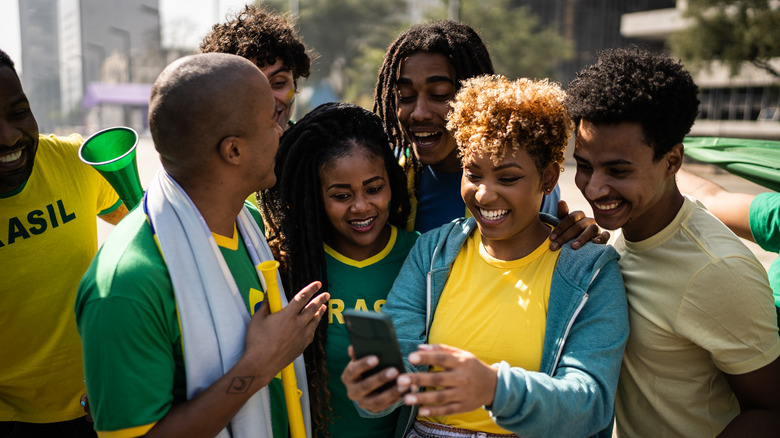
pixel 578 398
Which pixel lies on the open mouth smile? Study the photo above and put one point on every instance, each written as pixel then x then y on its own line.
pixel 492 215
pixel 606 206
pixel 426 139
pixel 362 225
pixel 12 159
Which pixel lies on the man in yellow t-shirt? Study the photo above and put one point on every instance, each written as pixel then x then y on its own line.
pixel 48 236
pixel 703 355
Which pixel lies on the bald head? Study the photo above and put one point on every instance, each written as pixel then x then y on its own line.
pixel 199 100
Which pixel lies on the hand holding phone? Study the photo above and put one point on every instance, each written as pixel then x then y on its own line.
pixel 373 333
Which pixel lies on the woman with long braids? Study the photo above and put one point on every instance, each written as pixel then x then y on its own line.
pixel 336 215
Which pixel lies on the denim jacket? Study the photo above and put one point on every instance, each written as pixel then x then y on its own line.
pixel 586 332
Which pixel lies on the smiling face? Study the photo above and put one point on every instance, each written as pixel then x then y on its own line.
pixel 283 88
pixel 426 85
pixel 504 198
pixel 626 188
pixel 356 195
pixel 18 133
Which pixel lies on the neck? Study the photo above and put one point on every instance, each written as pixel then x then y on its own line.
pixel 451 164
pixel 218 208
pixel 518 246
pixel 661 215
pixel 356 252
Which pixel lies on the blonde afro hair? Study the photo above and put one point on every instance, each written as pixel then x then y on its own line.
pixel 492 114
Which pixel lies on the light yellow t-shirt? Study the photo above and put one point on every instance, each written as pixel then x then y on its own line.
pixel 699 306
pixel 48 236
pixel 496 310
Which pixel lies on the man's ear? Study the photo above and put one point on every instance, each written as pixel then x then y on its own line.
pixel 230 148
pixel 550 176
pixel 674 158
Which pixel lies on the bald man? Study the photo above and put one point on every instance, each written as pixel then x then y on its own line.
pixel 177 335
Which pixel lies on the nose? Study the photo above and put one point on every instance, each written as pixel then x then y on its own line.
pixel 360 204
pixel 596 186
pixel 485 194
pixel 422 110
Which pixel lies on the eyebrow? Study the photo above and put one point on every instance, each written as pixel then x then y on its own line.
pixel 347 186
pixel 280 70
pixel 428 80
pixel 619 161
pixel 501 167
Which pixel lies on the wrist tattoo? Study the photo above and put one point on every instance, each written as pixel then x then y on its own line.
pixel 240 385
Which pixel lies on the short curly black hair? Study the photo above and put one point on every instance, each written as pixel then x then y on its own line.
pixel 633 84
pixel 257 33
pixel 5 61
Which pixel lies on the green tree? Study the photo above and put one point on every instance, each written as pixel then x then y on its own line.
pixel 349 38
pixel 733 32
pixel 519 45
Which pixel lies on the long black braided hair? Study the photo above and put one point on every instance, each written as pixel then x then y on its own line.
pixel 294 212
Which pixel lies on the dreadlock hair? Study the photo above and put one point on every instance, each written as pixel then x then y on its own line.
pixel 636 85
pixel 260 34
pixel 294 210
pixel 5 61
pixel 457 41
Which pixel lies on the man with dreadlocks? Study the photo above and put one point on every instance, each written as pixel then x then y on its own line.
pixel 422 70
pixel 270 42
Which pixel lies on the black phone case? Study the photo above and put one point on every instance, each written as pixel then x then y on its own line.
pixel 373 333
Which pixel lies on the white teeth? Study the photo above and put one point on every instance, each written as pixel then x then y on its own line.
pixel 361 224
pixel 425 134
pixel 492 215
pixel 607 206
pixel 9 158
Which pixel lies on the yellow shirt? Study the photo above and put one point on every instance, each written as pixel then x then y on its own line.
pixel 699 306
pixel 48 236
pixel 496 310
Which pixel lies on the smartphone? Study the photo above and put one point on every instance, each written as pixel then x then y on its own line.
pixel 373 333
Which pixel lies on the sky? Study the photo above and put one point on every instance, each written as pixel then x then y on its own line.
pixel 187 24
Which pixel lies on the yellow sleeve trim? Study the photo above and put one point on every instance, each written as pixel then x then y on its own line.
pixel 130 432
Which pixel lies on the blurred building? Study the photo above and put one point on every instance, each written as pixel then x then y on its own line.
pixel 70 45
pixel 745 106
pixel 589 26
pixel 40 60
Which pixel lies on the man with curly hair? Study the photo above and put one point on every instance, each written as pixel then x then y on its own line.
pixel 271 43
pixel 702 354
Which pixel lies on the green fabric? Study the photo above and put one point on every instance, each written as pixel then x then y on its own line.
pixel 363 288
pixel 765 226
pixel 126 315
pixel 757 161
